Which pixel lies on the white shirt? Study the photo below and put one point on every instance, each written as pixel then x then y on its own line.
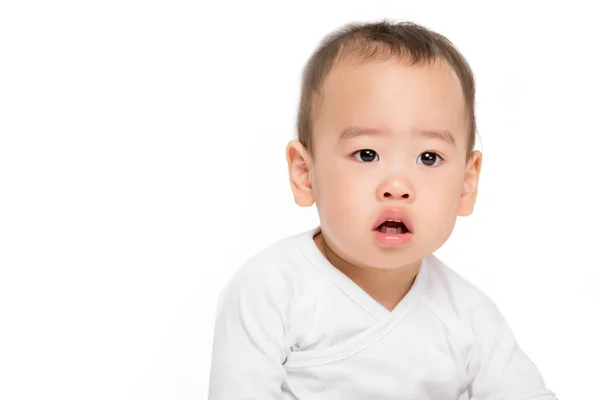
pixel 291 326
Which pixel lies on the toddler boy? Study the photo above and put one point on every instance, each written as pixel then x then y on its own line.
pixel 359 307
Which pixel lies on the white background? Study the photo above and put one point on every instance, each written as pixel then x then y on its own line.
pixel 142 161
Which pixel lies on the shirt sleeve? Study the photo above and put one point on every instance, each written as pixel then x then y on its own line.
pixel 249 346
pixel 498 367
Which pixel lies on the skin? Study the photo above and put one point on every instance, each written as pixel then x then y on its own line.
pixel 387 106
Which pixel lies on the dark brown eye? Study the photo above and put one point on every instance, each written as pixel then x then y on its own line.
pixel 429 158
pixel 366 155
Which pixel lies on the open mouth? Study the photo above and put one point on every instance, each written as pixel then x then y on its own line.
pixel 393 227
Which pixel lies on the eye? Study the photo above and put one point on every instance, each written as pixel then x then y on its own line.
pixel 429 158
pixel 365 155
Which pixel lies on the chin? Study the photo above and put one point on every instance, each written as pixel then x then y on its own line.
pixel 398 260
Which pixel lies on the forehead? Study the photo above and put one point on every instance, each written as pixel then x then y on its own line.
pixel 391 95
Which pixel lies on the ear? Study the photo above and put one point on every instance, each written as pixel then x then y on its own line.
pixel 299 167
pixel 470 184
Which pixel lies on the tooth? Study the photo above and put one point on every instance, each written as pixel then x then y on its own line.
pixel 394 231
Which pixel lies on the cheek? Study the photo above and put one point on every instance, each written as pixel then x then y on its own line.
pixel 340 196
pixel 335 181
pixel 442 194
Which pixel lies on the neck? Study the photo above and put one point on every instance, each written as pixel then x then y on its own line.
pixel 387 286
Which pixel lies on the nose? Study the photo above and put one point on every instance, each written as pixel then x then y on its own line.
pixel 395 189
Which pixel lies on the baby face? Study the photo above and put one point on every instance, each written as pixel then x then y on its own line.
pixel 389 172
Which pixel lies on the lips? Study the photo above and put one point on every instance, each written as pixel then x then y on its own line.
pixel 398 215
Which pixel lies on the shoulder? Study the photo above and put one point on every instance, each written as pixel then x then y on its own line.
pixel 448 287
pixel 458 304
pixel 274 272
pixel 491 356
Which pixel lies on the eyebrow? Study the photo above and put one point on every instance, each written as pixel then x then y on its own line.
pixel 354 131
pixel 444 136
